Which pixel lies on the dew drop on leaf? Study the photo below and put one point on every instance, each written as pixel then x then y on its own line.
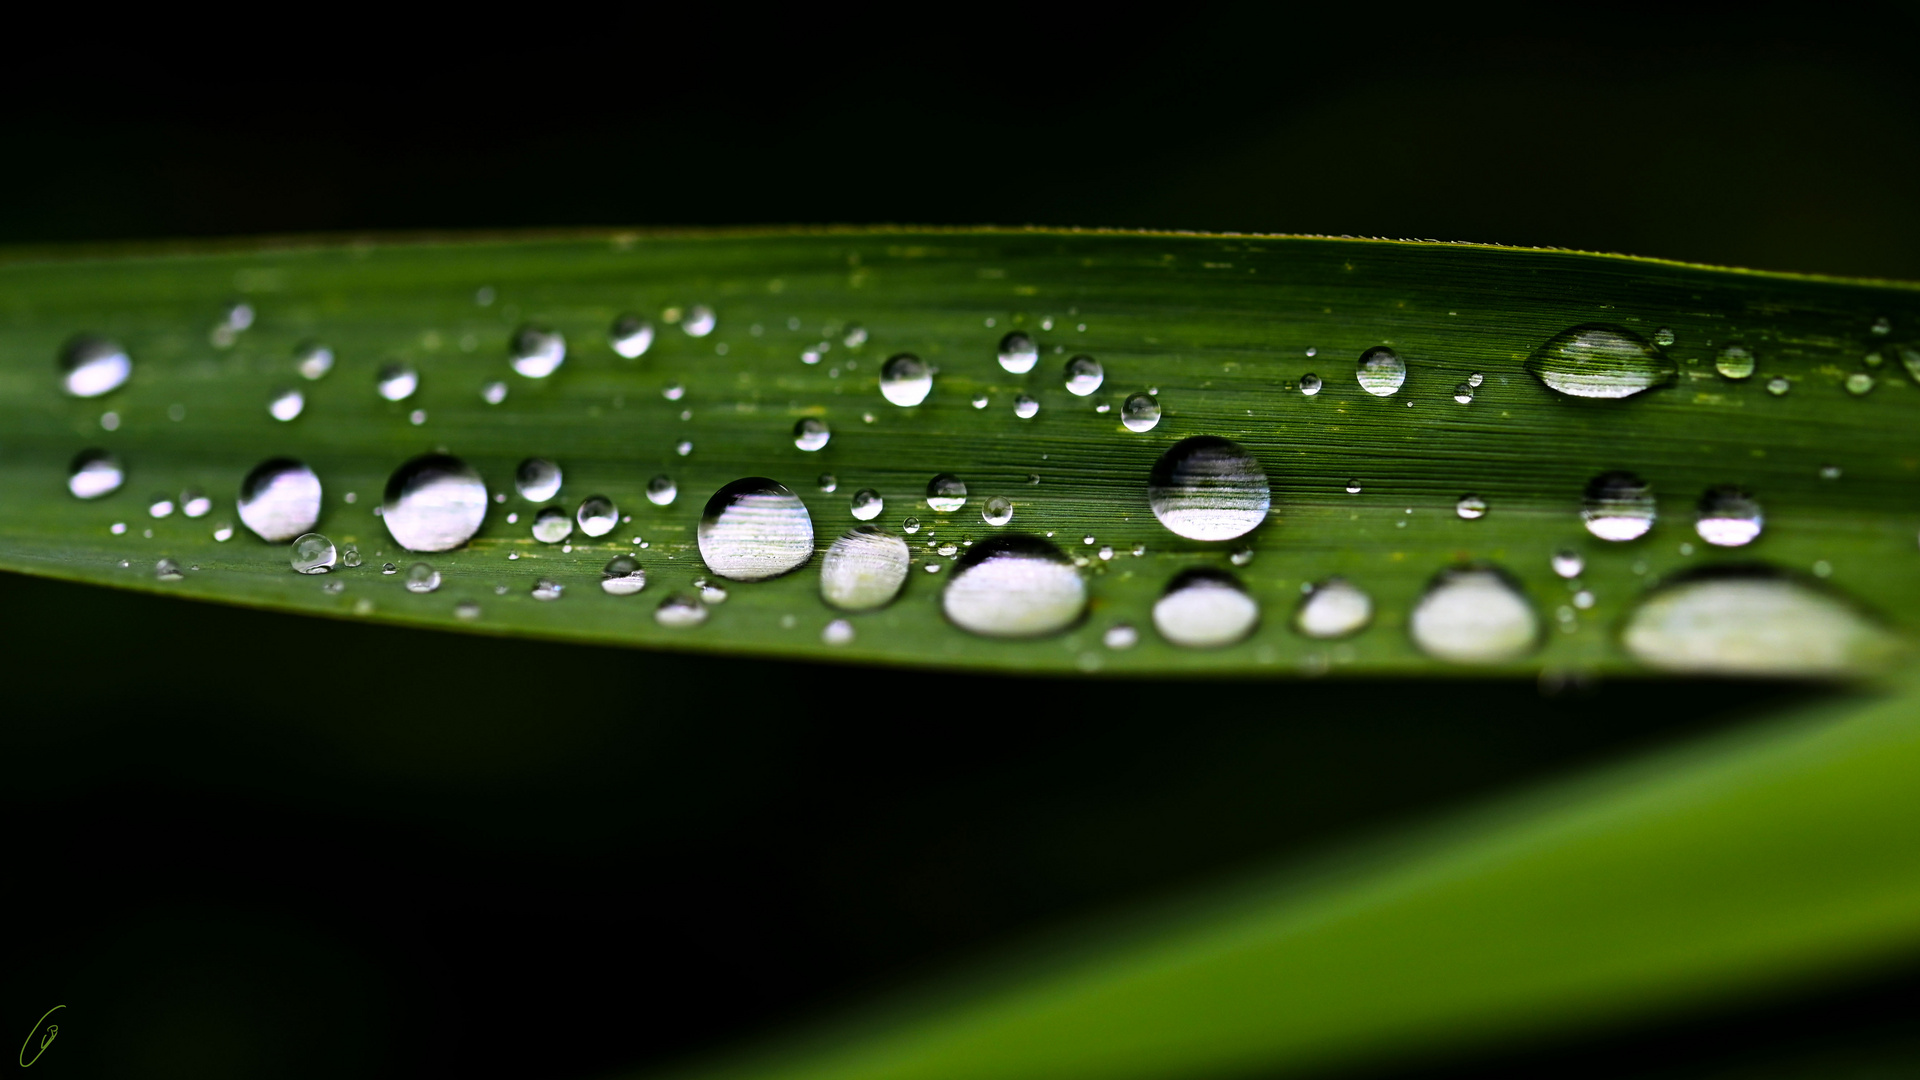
pixel 92 366
pixel 1207 488
pixel 1617 506
pixel 537 479
pixel 753 529
pixel 1013 586
pixel 1474 616
pixel 1205 609
pixel 1599 361
pixel 313 554
pixel 1018 353
pixel 1728 517
pixel 434 502
pixel 1333 608
pixel 1381 371
pixel 280 499
pixel 864 569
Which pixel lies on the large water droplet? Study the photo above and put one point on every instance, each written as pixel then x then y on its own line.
pixel 1018 353
pixel 1205 609
pixel 864 569
pixel 622 576
pixel 661 490
pixel 421 578
pixel 286 405
pixel 1463 393
pixel 1334 608
pixel 1474 617
pixel 537 352
pixel 1471 507
pixel 946 493
pixel 1752 623
pixel 168 570
pixel 552 525
pixel 1735 362
pixel 998 511
pixel 280 499
pixel 811 433
pixel 1729 517
pixel 631 336
pixel 1309 384
pixel 95 473
pixel 1140 413
pixel 434 503
pixel 313 554
pixel 1859 383
pixel 680 610
pixel 1025 407
pixel 867 504
pixel 1596 361
pixel 397 382
pixel 312 360
pixel 906 380
pixel 1617 506
pixel 753 529
pixel 92 366
pixel 1014 587
pixel 1084 375
pixel 1381 371
pixel 597 515
pixel 700 321
pixel 1207 488
pixel 537 479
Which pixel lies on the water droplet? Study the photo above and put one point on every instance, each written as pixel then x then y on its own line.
pixel 864 569
pixel 1475 379
pixel 280 499
pixel 389 569
pixel 1882 326
pixel 536 351
pixel 1583 600
pixel 1829 472
pixel 1120 636
pixel 1381 371
pixel 1778 385
pixel 350 556
pixel 906 380
pixel 1084 376
pixel 811 433
pixel 1205 609
pixel 1474 617
pixel 92 366
pixel 1663 337
pixel 946 493
pixel 997 511
pixel 1752 623
pixel 1014 586
pixel 911 525
pixel 1241 556
pixel 1568 563
pixel 1859 383
pixel 597 515
pixel 1729 517
pixel 417 417
pixel 552 525
pixel 1596 361
pixel 421 578
pixel 313 554
pixel 547 589
pixel 683 447
pixel 622 576
pixel 1353 487
pixel 286 405
pixel 494 392
pixel 828 483
pixel 312 360
pixel 947 550
pixel 1333 608
pixel 397 382
pixel 753 529
pixel 195 504
pixel 1018 353
pixel 512 556
pixel 979 401
pixel 1735 362
pixel 855 337
pixel 1025 407
pixel 1470 507
pixel 867 504
pixel 434 502
pixel 631 336
pixel 1463 393
pixel 94 473
pixel 1618 506
pixel 1207 488
pixel 1140 413
pixel 680 610
pixel 466 610
pixel 168 570
pixel 537 479
pixel 837 632
pixel 222 532
pixel 700 321
pixel 1309 384
pixel 1910 359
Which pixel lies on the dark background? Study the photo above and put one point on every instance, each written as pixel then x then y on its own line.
pixel 251 845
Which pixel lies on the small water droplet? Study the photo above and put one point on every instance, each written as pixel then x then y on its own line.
pixel 1013 586
pixel 1729 517
pixel 1381 371
pixel 1207 488
pixel 911 525
pixel 1205 609
pixel 494 392
pixel 1120 636
pixel 397 382
pixel 1084 375
pixel 1140 413
pixel 1778 385
pixel 946 493
pixel 700 321
pixel 1583 600
pixel 1597 361
pixel 92 366
pixel 1018 353
pixel 160 506
pixel 680 610
pixel 864 569
pixel 1618 506
pixel 837 632
pixel 417 417
pixel 997 511
pixel 1353 487
pixel 389 568
pixel 597 515
pixel 466 610
pixel 118 528
pixel 1024 407
pixel 350 557
pixel 1735 362
pixel 906 380
pixel 810 433
pixel 168 570
pixel 1663 337
pixel 979 401
pixel 1882 326
pixel 631 336
pixel 547 589
pixel 1829 472
pixel 683 447
pixel 1310 384
pixel 434 502
pixel 810 356
pixel 855 337
pixel 513 556
pixel 622 576
pixel 1859 383
pixel 673 392
pixel 1910 359
pixel 313 554
pixel 222 533
pixel 537 479
pixel 1333 608
pixel 552 525
pixel 1471 507
pixel 1463 393
pixel 280 499
pixel 754 529
pixel 421 577
pixel 195 504
pixel 947 550
pixel 828 483
pixel 1752 623
pixel 313 360
pixel 1568 563
pixel 1474 617
pixel 1241 556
